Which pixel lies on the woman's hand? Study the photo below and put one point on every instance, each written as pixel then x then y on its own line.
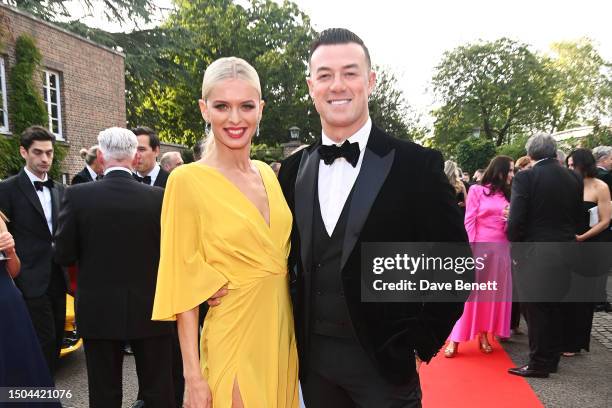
pixel 197 393
pixel 215 300
pixel 7 244
pixel 580 238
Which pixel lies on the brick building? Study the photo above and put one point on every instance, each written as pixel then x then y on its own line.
pixel 82 83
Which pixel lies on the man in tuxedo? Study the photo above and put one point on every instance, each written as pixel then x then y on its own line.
pixel 148 171
pixel 170 161
pixel 112 229
pixel 546 207
pixel 93 170
pixel 31 200
pixel 373 188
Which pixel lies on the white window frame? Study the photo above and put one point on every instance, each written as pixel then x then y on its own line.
pixel 4 112
pixel 47 90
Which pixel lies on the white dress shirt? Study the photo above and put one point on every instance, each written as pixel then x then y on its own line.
pixel 336 180
pixel 153 173
pixel 92 173
pixel 44 196
pixel 118 168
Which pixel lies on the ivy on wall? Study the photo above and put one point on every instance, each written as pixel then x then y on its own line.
pixel 27 108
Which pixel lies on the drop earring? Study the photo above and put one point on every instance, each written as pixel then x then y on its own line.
pixel 207 128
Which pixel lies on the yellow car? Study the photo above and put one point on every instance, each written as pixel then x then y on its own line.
pixel 71 340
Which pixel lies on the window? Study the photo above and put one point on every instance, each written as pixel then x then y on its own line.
pixel 3 105
pixel 51 95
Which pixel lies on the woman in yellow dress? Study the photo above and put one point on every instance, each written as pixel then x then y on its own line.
pixel 225 222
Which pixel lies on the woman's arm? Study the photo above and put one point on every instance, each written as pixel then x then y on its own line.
pixel 604 211
pixel 7 245
pixel 197 391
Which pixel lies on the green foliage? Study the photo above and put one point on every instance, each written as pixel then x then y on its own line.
pixel 581 85
pixel 119 10
pixel 10 160
pixel 26 103
pixel 515 149
pixel 500 87
pixel 266 153
pixel 389 109
pixel 474 153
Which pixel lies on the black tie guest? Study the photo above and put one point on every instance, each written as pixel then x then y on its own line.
pixel 358 184
pixel 112 228
pixel 31 200
pixel 148 171
pixel 546 206
pixel 93 170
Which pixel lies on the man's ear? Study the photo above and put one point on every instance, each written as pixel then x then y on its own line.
pixel 23 152
pixel 310 86
pixel 371 82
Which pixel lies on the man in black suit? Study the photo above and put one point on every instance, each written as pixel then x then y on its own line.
pixel 148 171
pixel 546 207
pixel 93 170
pixel 112 229
pixel 381 189
pixel 31 200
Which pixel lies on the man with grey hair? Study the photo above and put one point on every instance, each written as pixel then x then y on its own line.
pixel 112 229
pixel 170 161
pixel 545 206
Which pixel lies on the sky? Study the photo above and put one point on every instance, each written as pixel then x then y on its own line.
pixel 410 37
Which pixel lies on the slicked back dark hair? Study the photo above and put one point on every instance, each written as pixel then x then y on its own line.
pixel 144 130
pixel 333 36
pixel 584 162
pixel 33 133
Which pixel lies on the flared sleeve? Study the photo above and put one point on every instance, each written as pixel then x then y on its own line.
pixel 184 278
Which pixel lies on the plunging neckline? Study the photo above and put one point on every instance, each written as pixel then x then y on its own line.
pixel 262 216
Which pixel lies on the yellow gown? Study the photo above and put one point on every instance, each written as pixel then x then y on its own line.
pixel 212 235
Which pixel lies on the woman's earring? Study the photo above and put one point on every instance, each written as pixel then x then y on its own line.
pixel 207 128
pixel 257 131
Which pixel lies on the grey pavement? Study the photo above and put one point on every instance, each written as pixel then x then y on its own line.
pixel 72 375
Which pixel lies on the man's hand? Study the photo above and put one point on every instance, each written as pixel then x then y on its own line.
pixel 215 300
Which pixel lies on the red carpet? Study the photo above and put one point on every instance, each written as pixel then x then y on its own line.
pixel 473 379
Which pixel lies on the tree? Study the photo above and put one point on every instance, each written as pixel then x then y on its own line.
pixel 389 109
pixel 165 65
pixel 500 87
pixel 474 153
pixel 582 84
pixel 119 10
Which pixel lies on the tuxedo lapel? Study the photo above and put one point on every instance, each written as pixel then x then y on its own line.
pixel 55 203
pixel 28 190
pixel 305 184
pixel 374 170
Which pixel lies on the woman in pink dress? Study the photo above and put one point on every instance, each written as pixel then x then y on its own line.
pixel 485 222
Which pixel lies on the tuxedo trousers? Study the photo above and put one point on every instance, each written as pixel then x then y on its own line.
pixel 341 375
pixel 545 332
pixel 153 356
pixel 48 315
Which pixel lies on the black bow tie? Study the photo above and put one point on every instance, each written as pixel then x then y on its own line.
pixel 38 185
pixel 99 177
pixel 348 150
pixel 146 179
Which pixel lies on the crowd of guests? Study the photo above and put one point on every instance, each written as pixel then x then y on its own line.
pixel 233 232
pixel 555 198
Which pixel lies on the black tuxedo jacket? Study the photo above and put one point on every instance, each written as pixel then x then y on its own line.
pixel 112 228
pixel 546 204
pixel 82 176
pixel 28 225
pixel 400 195
pixel 162 178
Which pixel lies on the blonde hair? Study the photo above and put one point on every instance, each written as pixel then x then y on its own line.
pixel 89 155
pixel 451 171
pixel 221 70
